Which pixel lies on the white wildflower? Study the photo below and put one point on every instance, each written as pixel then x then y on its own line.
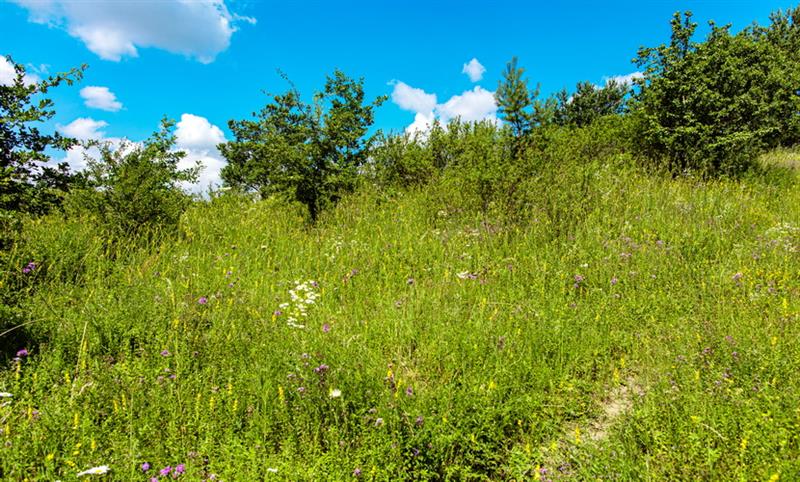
pixel 335 393
pixel 272 470
pixel 103 469
pixel 6 395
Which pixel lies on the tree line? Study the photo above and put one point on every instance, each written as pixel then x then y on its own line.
pixel 704 108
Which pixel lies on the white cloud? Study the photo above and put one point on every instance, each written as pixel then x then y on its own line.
pixel 8 75
pixel 624 79
pixel 422 123
pixel 473 105
pixel 115 29
pixel 199 138
pixel 84 129
pixel 474 70
pixel 412 98
pixel 100 98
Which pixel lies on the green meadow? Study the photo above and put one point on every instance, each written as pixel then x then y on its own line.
pixel 405 337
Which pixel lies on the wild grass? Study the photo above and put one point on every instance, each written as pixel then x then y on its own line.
pixel 442 344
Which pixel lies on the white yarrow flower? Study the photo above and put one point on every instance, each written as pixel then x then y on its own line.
pixel 103 469
pixel 6 395
pixel 335 393
pixel 272 470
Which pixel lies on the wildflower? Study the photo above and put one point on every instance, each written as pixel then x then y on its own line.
pixel 410 281
pixel 165 471
pixel 180 468
pixel 22 353
pixel 737 277
pixel 614 281
pixel 409 391
pixel 321 369
pixel 203 300
pixel 335 393
pixel 357 472
pixel 301 389
pixel 29 268
pixel 165 352
pixel 326 328
pixel 419 421
pixel 272 470
pixel 6 395
pixel 145 467
pixel 103 469
pixel 378 422
pixel 277 312
pixel 466 275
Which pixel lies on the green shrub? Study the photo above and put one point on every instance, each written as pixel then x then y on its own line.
pixel 136 189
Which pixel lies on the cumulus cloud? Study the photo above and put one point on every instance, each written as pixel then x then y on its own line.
pixel 84 129
pixel 473 105
pixel 199 138
pixel 8 75
pixel 412 98
pixel 422 123
pixel 474 70
pixel 100 98
pixel 624 79
pixel 115 29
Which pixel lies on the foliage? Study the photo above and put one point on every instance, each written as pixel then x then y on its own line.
pixel 713 106
pixel 312 153
pixel 27 184
pixel 438 345
pixel 590 102
pixel 136 189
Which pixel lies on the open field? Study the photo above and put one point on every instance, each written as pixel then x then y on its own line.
pixel 404 338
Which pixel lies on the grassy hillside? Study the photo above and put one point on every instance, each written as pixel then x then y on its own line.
pixel 408 338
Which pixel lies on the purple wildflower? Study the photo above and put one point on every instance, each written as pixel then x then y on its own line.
pixel 326 328
pixel 165 352
pixel 321 369
pixel 357 472
pixel 145 467
pixel 203 300
pixel 30 267
pixel 301 389
pixel 277 312
pixel 180 468
pixel 409 391
pixel 165 471
pixel 614 281
pixel 22 353
pixel 419 421
pixel 153 479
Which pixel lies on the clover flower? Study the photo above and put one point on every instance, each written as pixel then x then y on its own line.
pixel 29 268
pixel 22 353
pixel 145 467
pixel 203 300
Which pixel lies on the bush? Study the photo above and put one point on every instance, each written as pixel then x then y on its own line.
pixel 136 189
pixel 712 107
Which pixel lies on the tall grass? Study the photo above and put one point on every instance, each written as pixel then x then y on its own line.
pixel 444 344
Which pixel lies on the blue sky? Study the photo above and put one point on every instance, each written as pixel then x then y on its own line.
pixel 205 62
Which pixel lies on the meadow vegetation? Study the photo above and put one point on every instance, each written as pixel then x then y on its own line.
pixel 592 290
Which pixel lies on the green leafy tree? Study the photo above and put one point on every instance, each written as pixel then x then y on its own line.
pixel 590 102
pixel 311 153
pixel 136 189
pixel 26 183
pixel 711 107
pixel 514 101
